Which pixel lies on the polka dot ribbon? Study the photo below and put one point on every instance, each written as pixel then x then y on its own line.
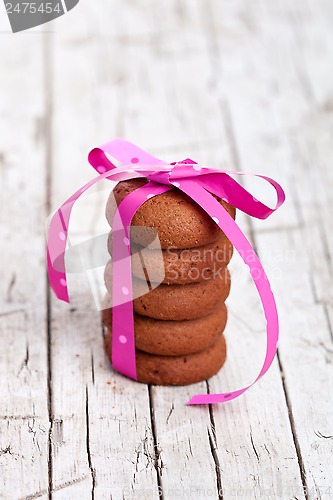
pixel 197 182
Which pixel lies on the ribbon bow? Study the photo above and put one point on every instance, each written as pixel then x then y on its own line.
pixel 198 183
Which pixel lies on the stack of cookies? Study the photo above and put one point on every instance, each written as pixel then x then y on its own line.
pixel 179 323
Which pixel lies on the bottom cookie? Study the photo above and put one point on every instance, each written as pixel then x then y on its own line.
pixel 177 370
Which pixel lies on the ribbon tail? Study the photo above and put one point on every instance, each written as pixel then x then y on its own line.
pixel 247 253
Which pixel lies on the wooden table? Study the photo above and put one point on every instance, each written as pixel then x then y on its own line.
pixel 233 84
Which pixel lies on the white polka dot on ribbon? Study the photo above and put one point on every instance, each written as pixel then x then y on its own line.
pixel 215 219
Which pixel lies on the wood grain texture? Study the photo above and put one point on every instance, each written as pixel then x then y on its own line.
pixel 24 421
pixel 235 85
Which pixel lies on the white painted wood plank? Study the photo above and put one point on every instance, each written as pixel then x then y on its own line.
pixel 122 447
pixel 306 356
pixel 183 438
pixel 24 423
pixel 105 419
pixel 263 102
pixel 254 442
pixel 273 120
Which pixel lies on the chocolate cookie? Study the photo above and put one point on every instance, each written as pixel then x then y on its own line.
pixel 181 266
pixel 177 370
pixel 175 338
pixel 177 302
pixel 177 219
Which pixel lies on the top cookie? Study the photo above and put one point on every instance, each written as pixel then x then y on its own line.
pixel 178 220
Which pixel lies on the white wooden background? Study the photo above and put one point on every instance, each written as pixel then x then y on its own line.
pixel 231 83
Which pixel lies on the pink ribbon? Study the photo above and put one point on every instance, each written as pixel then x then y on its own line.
pixel 197 182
